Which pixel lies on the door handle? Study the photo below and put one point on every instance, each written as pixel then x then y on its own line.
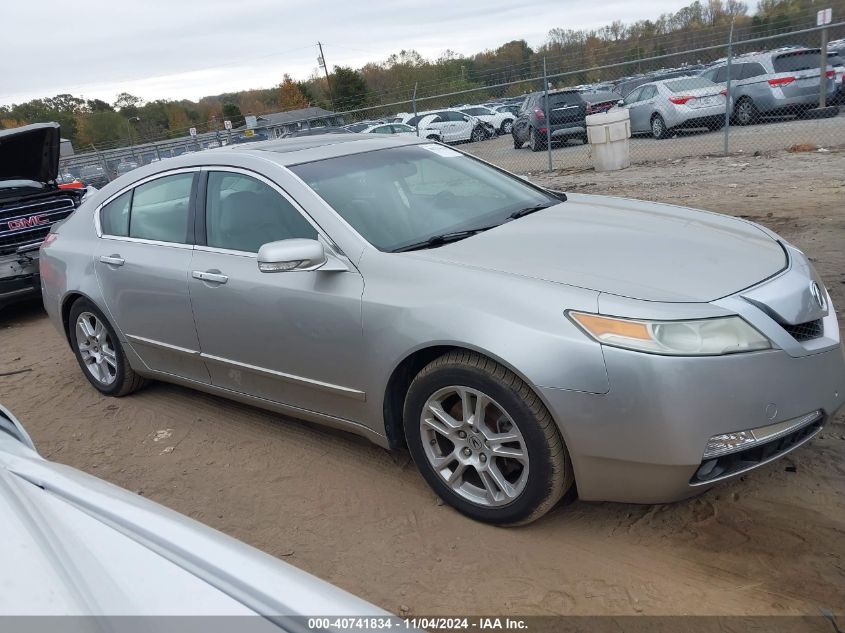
pixel 112 260
pixel 210 277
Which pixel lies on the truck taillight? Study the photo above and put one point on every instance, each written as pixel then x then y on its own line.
pixel 781 81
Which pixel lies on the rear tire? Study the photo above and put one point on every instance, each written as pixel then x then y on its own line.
pixel 482 474
pixel 517 144
pixel 536 141
pixel 507 126
pixel 745 112
pixel 99 352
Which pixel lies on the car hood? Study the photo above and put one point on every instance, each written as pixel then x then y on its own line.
pixel 30 152
pixel 75 545
pixel 641 250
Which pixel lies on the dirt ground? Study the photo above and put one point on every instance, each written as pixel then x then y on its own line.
pixel 771 542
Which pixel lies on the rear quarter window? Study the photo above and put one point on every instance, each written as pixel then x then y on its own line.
pixel 114 216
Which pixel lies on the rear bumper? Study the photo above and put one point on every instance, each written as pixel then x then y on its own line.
pixel 644 440
pixel 19 279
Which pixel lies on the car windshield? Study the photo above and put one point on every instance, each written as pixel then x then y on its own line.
pixel 688 83
pixel 401 196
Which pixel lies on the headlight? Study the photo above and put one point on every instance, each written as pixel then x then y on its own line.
pixel 700 337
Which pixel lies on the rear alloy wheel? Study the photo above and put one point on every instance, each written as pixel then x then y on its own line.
pixel 484 441
pixel 658 127
pixel 507 126
pixel 745 112
pixel 478 134
pixel 99 353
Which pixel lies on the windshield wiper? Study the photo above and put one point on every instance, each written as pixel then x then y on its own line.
pixel 440 240
pixel 528 210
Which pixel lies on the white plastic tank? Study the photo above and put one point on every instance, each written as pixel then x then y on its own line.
pixel 609 135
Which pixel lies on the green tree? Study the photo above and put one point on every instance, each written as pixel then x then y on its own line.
pixel 232 112
pixel 349 90
pixel 100 128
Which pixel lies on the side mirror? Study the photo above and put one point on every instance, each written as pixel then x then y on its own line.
pixel 291 255
pixel 621 103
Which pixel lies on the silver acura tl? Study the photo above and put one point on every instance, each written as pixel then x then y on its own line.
pixel 516 340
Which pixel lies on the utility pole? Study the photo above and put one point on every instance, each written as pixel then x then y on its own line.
pixel 322 62
pixel 414 100
pixel 129 132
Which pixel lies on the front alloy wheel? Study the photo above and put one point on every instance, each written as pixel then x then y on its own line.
pixel 484 441
pixel 478 134
pixel 474 446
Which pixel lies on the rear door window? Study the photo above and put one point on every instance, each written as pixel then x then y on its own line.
pixel 751 70
pixel 648 93
pixel 799 60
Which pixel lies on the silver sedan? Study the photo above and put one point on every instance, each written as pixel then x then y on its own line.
pixel 517 340
pixel 661 107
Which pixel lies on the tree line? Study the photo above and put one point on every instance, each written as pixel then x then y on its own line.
pixel 572 56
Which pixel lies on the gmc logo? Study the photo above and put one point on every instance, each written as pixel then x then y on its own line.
pixel 24 223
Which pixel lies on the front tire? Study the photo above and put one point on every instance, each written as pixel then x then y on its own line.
pixel 507 126
pixel 478 134
pixel 658 127
pixel 484 441
pixel 99 352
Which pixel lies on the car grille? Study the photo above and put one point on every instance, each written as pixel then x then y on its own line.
pixel 805 331
pixel 28 222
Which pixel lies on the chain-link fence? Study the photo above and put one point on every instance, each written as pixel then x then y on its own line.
pixel 756 94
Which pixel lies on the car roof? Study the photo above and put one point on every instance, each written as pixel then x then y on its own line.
pixel 292 151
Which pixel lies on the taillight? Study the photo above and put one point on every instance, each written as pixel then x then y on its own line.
pixel 724 93
pixel 540 114
pixel 680 100
pixel 51 237
pixel 830 74
pixel 781 81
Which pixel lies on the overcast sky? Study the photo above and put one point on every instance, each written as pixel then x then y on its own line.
pixel 176 49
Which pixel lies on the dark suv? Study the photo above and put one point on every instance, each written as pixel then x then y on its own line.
pixel 567 113
pixel 31 201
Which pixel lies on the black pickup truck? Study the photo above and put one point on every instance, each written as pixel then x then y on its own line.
pixel 31 201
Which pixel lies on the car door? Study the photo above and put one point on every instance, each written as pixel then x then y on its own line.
pixel 462 126
pixel 522 122
pixel 141 261
pixel 289 337
pixel 639 123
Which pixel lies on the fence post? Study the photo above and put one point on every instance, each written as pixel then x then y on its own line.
pixel 728 102
pixel 823 71
pixel 414 100
pixel 548 121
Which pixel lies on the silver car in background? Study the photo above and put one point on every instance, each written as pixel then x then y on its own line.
pixel 661 107
pixel 517 340
pixel 784 82
pixel 76 545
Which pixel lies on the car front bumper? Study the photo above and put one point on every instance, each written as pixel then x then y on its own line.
pixel 19 277
pixel 644 440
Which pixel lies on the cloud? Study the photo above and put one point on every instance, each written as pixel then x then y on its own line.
pixel 178 49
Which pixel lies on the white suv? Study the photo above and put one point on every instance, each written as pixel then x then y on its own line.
pixel 502 122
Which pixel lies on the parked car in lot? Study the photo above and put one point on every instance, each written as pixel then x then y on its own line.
pixel 784 82
pixel 453 126
pixel 125 166
pixel 75 545
pixel 661 107
pixel 567 112
pixel 627 85
pixel 402 129
pixel 517 340
pixel 32 199
pixel 502 122
pixel 837 62
pixel 94 176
